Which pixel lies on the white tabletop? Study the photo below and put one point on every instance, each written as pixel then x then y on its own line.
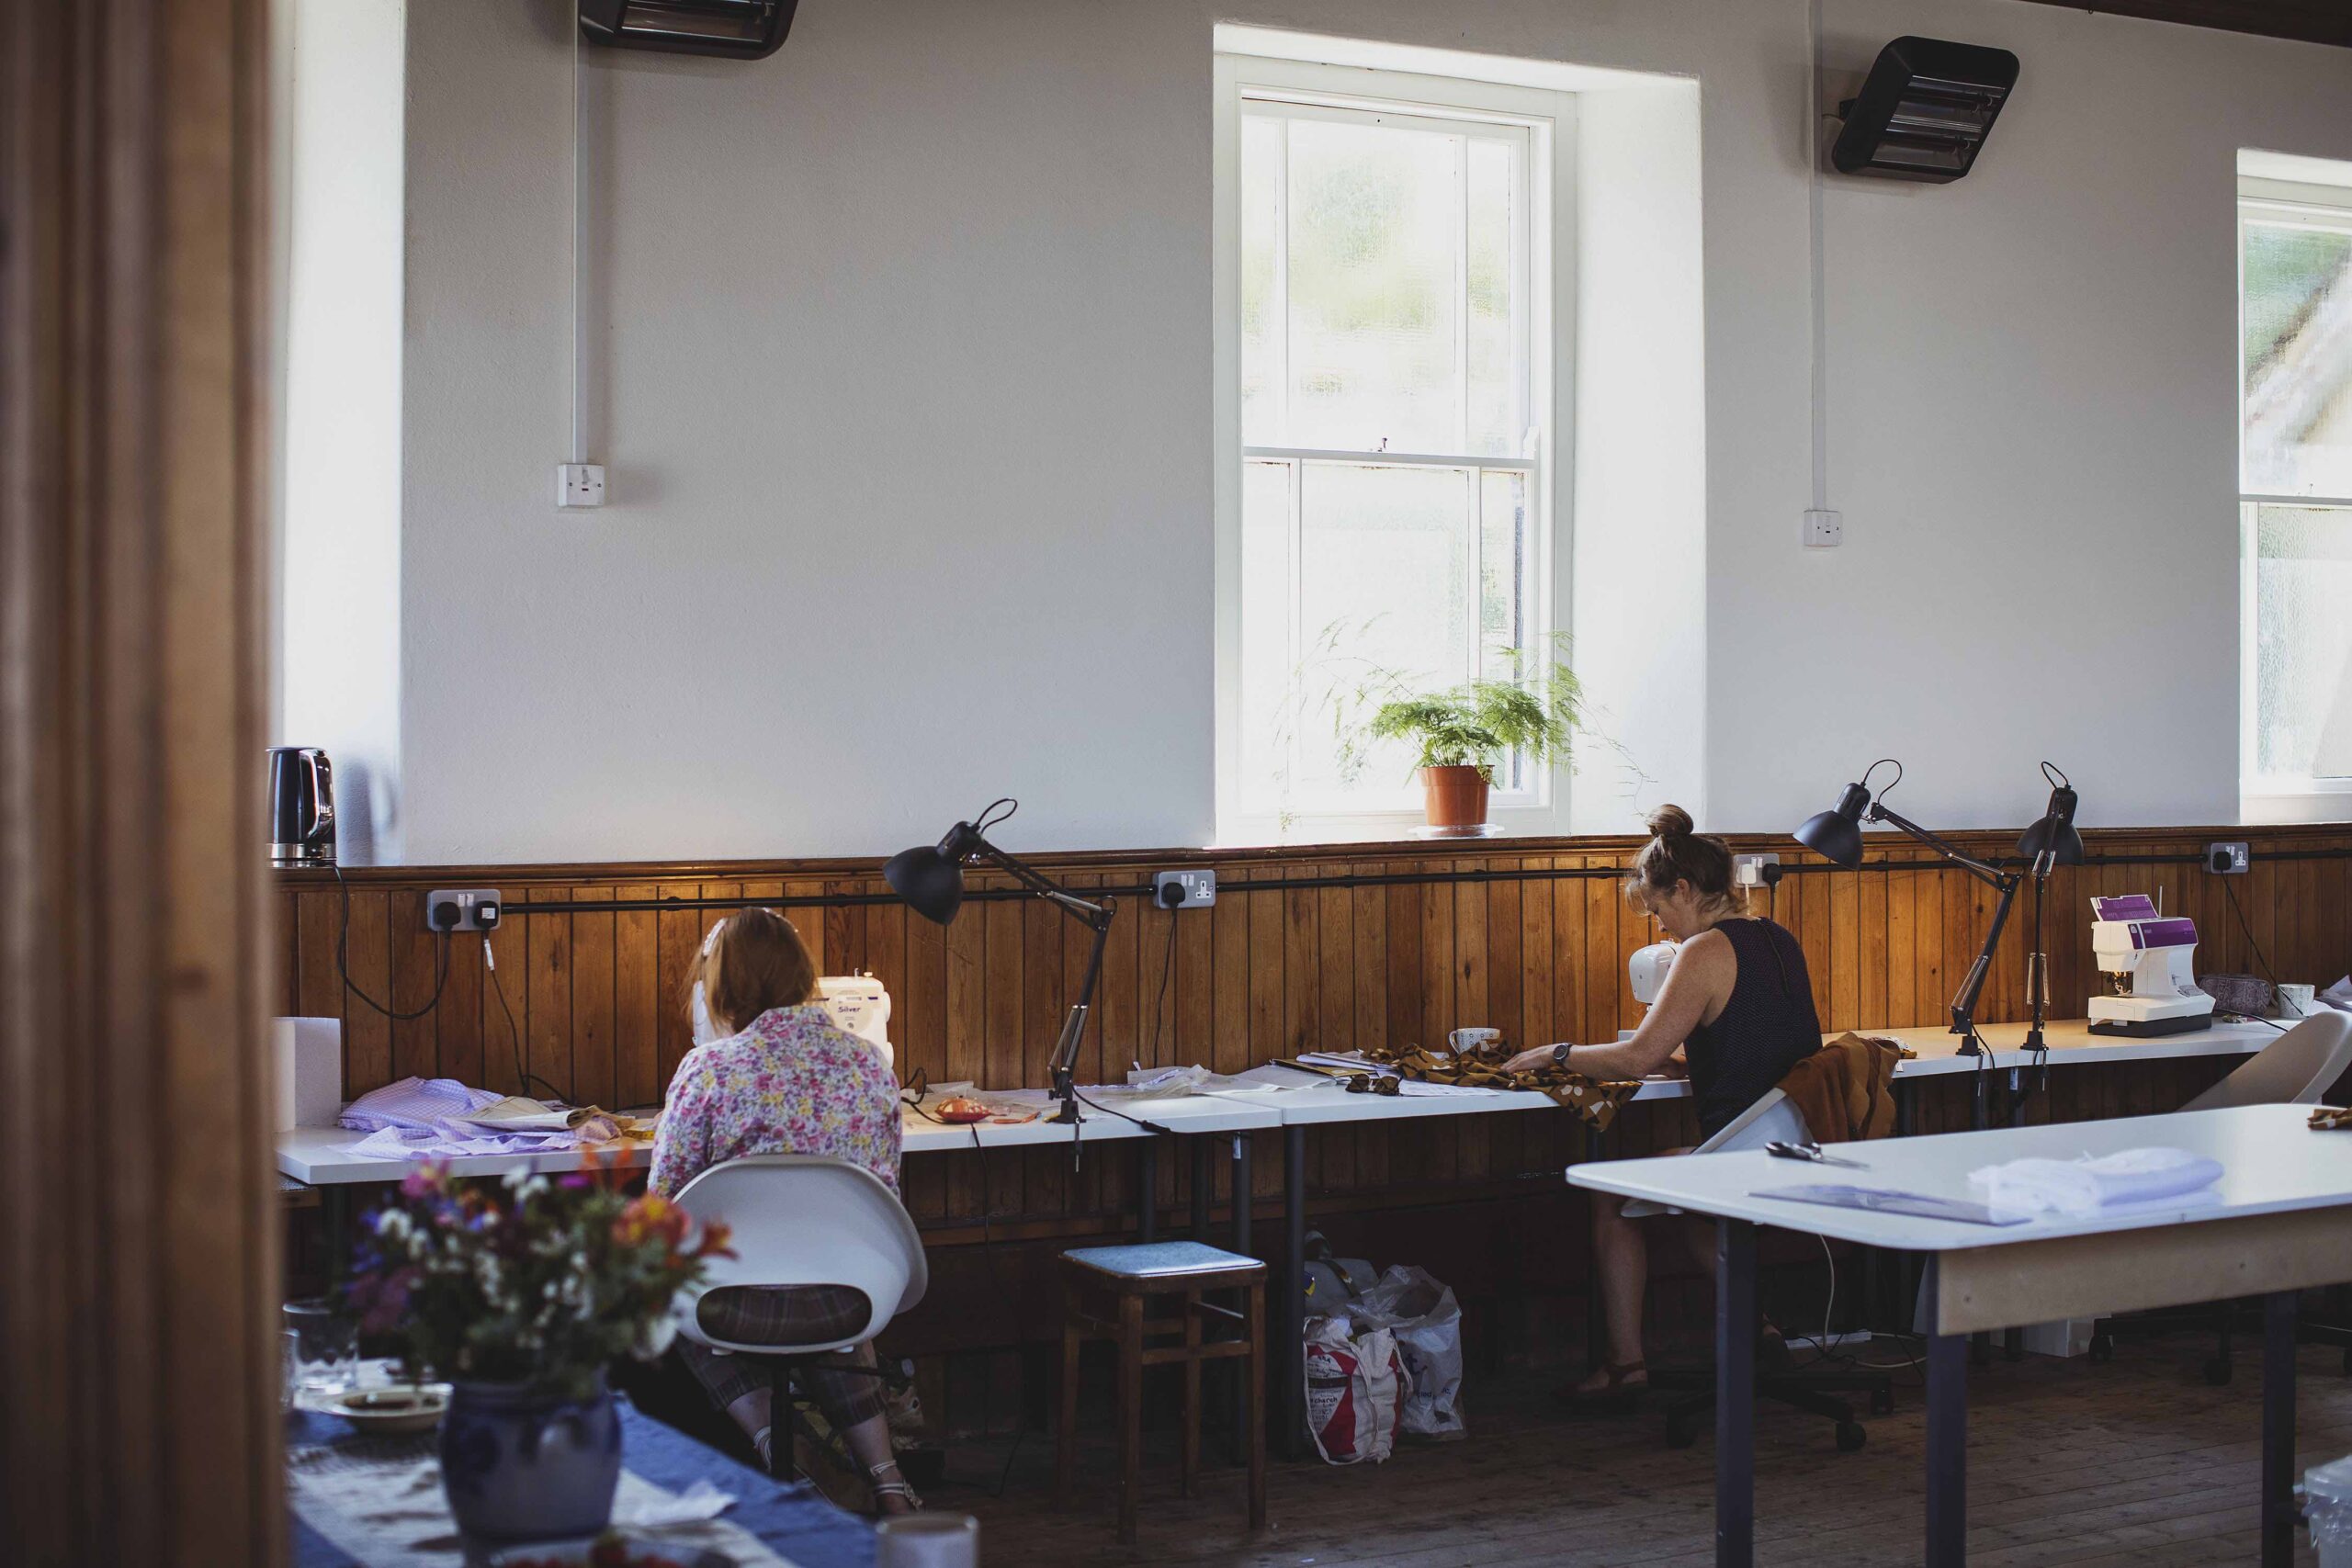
pixel 321 1155
pixel 2272 1163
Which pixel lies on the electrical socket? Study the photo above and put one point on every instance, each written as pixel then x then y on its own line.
pixel 1199 888
pixel 478 909
pixel 579 484
pixel 1823 530
pixel 2229 859
pixel 1755 871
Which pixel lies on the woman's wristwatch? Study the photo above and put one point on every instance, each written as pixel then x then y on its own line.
pixel 1560 1055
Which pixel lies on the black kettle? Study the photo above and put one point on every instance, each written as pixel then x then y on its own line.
pixel 302 807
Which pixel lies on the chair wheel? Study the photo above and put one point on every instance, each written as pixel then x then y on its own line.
pixel 1680 1432
pixel 2217 1370
pixel 2102 1349
pixel 1850 1437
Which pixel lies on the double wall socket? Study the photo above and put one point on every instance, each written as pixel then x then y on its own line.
pixel 2229 858
pixel 478 909
pixel 1198 887
pixel 1755 871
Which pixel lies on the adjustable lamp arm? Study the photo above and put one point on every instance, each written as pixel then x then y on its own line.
pixel 966 843
pixel 1991 875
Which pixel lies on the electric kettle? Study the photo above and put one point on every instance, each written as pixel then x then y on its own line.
pixel 302 807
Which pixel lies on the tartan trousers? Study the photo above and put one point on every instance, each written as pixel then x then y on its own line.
pixel 758 1314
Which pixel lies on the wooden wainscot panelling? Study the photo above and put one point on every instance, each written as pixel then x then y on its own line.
pixel 1309 948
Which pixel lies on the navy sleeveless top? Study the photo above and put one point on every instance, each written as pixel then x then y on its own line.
pixel 1767 1027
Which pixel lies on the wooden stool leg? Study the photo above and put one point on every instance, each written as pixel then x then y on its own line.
pixel 1191 1464
pixel 1066 1430
pixel 1256 1407
pixel 1130 1413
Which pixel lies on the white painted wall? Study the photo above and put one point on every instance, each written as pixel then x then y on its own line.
pixel 907 335
pixel 338 572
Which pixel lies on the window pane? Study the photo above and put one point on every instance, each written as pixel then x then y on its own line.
pixel 2297 354
pixel 2302 642
pixel 1267 659
pixel 1262 337
pixel 1384 570
pixel 1498 346
pixel 1506 587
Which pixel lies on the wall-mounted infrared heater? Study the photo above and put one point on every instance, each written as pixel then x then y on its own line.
pixel 1925 110
pixel 738 29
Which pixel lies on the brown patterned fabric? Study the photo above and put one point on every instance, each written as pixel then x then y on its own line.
pixel 801 1314
pixel 2332 1118
pixel 1846 1089
pixel 1481 1066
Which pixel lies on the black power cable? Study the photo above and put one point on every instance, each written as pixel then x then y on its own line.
pixel 514 1035
pixel 343 961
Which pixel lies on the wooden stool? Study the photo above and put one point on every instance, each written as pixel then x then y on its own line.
pixel 1129 1275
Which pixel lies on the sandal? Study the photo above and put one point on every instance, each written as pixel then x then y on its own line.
pixel 1617 1393
pixel 899 1488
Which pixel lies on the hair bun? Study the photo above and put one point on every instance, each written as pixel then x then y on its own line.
pixel 1671 822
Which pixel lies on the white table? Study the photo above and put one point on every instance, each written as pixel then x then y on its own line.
pixel 322 1157
pixel 1937 1054
pixel 2280 1222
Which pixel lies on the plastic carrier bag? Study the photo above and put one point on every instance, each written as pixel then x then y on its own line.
pixel 1422 1315
pixel 1352 1381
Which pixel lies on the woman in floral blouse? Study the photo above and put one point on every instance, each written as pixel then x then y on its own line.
pixel 784 1080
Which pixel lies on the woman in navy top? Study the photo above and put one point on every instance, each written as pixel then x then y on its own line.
pixel 1737 1004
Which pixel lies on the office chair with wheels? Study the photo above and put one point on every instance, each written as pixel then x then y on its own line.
pixel 2297 1069
pixel 801 1220
pixel 1772 1119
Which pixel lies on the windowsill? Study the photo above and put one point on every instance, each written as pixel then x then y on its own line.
pixel 2319 800
pixel 1388 828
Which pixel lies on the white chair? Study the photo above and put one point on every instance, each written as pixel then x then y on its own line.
pixel 1774 1118
pixel 2297 1069
pixel 799 1220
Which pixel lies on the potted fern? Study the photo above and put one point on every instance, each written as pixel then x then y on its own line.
pixel 1461 734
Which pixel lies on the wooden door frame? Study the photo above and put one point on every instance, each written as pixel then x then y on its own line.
pixel 138 1337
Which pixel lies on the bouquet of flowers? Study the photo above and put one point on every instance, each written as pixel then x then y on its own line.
pixel 535 1280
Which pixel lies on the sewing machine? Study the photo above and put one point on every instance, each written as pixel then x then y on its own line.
pixel 2146 958
pixel 1646 969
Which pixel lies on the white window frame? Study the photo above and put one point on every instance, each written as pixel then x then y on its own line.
pixel 1549 118
pixel 2274 797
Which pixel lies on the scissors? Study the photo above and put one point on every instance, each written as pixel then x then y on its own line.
pixel 1809 1151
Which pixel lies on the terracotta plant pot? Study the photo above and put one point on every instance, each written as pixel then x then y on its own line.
pixel 1455 797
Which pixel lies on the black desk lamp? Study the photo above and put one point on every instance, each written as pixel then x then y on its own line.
pixel 930 878
pixel 1836 834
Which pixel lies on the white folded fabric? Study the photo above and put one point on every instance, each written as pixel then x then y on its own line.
pixel 2085 1186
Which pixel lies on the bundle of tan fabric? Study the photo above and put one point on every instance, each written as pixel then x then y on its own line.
pixel 1481 1066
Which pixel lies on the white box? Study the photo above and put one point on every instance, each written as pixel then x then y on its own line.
pixel 2067 1336
pixel 309 1053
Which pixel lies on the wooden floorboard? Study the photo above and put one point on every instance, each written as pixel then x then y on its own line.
pixel 2139 1463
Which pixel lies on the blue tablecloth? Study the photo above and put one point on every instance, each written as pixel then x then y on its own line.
pixel 791 1519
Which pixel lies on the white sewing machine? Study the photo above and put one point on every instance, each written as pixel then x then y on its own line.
pixel 1646 969
pixel 2146 958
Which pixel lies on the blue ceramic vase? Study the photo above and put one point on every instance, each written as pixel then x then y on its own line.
pixel 521 1464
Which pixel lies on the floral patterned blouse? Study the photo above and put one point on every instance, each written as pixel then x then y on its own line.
pixel 791 1084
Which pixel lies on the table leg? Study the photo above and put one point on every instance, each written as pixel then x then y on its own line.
pixel 1734 1393
pixel 1290 1322
pixel 1596 1329
pixel 2279 1320
pixel 1946 1449
pixel 1203 1183
pixel 1148 1189
pixel 1246 1408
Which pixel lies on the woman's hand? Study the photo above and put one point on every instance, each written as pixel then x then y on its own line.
pixel 1530 1061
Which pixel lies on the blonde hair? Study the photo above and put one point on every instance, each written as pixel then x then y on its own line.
pixel 1678 853
pixel 756 964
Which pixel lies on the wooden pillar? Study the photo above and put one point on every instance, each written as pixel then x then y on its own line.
pixel 138 1263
